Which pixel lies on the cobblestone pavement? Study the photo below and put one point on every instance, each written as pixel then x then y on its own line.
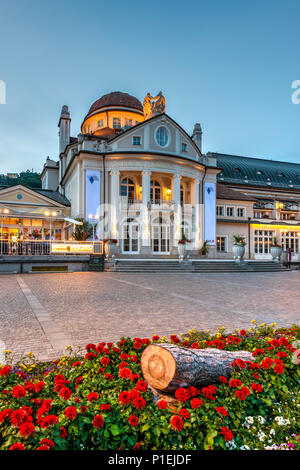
pixel 43 313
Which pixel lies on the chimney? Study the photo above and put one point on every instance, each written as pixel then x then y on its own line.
pixel 64 129
pixel 197 136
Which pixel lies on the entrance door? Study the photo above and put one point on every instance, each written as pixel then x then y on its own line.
pixel 131 238
pixel 161 239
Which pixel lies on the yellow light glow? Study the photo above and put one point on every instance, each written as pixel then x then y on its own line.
pixel 47 213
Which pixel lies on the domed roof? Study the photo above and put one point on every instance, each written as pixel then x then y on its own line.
pixel 116 98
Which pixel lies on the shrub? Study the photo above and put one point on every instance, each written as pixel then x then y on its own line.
pixel 100 400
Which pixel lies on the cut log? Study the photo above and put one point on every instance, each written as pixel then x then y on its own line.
pixel 168 367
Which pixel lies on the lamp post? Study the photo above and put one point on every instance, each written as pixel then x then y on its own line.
pixel 50 215
pixel 93 220
pixel 3 213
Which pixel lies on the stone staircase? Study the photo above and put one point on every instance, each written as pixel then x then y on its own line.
pixel 191 266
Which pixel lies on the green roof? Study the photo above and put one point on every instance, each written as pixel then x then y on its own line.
pixel 257 171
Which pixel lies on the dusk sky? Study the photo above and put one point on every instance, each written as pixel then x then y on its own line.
pixel 228 65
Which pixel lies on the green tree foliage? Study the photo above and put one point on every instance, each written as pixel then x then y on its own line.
pixel 28 178
pixel 84 231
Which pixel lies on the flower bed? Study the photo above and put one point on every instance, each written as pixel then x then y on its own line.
pixel 100 401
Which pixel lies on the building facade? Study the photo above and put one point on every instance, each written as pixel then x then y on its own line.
pixel 144 181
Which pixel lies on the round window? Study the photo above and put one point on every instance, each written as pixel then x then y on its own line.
pixel 162 136
pixel 19 196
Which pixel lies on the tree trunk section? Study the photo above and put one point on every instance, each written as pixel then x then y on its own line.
pixel 167 367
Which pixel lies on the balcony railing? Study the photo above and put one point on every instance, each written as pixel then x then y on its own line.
pixel 47 248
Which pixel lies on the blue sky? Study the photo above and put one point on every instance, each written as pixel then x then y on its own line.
pixel 228 65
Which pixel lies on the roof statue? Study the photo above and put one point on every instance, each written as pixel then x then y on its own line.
pixel 154 105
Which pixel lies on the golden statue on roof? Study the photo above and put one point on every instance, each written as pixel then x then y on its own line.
pixel 154 105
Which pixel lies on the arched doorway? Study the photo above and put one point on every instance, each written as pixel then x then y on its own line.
pixel 131 237
pixel 160 237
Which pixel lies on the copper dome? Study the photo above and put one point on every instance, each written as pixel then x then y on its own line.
pixel 116 98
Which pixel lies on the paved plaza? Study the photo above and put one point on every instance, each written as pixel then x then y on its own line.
pixel 43 313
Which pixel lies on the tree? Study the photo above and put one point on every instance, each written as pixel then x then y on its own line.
pixel 84 231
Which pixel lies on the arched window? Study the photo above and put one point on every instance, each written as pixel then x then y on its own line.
pixel 128 188
pixel 155 192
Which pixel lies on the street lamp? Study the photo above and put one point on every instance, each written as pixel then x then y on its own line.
pixel 93 220
pixel 3 213
pixel 50 215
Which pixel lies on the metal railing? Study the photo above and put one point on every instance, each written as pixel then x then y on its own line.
pixel 47 247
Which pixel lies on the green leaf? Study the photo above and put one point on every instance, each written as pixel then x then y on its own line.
pixel 114 429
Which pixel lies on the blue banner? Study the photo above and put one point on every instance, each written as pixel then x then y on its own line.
pixel 92 193
pixel 210 213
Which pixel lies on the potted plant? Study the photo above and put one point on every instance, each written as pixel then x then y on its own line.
pixel 110 247
pixel 181 245
pixel 204 250
pixel 275 250
pixel 238 248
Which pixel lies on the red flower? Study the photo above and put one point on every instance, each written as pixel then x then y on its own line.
pixel 65 393
pixel 240 395
pixel 155 338
pixel 104 407
pixel 17 446
pixel 243 332
pixel 98 421
pixel 124 398
pixel 184 413
pixel 93 396
pixel 279 369
pixel 195 346
pixel 62 432
pixel 125 373
pixel 182 395
pixel 90 355
pixel 208 392
pixel 142 386
pixel 162 404
pixel 139 402
pixel 283 341
pixel 5 370
pixel 47 442
pixel 105 361
pixel 71 412
pixel 256 387
pixel 38 387
pixel 258 352
pixel 266 363
pixel 43 447
pixel 26 429
pixel 137 345
pixel 226 433
pixel 281 354
pixel 137 446
pixel 174 339
pixel 245 391
pixel 133 420
pixel 222 411
pixel 234 383
pixel 48 421
pixel 176 423
pixel 223 379
pixel 90 346
pixel 193 391
pixel 123 364
pixel 108 376
pixel 83 409
pixel 5 414
pixel 19 417
pixel 18 391
pixel 196 403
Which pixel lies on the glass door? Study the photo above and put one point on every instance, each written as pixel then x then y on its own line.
pixel 131 239
pixel 161 239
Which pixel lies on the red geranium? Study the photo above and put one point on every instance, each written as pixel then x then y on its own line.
pixel 133 420
pixel 222 411
pixel 93 396
pixel 71 412
pixel 184 413
pixel 98 421
pixel 48 421
pixel 47 442
pixel 124 398
pixel 104 407
pixel 18 391
pixel 65 393
pixel 226 433
pixel 182 395
pixel 196 403
pixel 176 423
pixel 26 429
pixel 162 404
pixel 17 446
pixel 139 403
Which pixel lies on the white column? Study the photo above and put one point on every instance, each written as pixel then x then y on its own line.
pixel 197 213
pixel 177 207
pixel 146 174
pixel 114 201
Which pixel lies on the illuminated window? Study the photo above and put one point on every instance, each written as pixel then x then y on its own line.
pixel 101 123
pixel 136 140
pixel 128 188
pixel 162 137
pixel 222 244
pixel 116 123
pixel 155 192
pixel 128 122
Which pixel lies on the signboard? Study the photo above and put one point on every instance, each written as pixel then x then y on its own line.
pixel 92 192
pixel 210 213
pixel 83 248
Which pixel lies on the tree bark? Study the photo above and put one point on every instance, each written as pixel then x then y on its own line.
pixel 167 367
